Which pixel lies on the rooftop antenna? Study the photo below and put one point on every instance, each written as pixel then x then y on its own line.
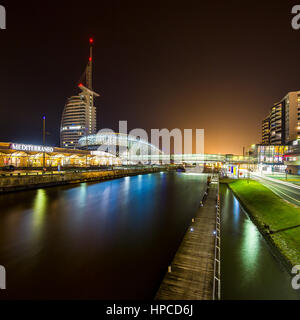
pixel 89 69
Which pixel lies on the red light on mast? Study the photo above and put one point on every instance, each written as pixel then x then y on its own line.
pixel 90 59
pixel 80 85
pixel 91 40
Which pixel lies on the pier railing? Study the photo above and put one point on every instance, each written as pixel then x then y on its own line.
pixel 217 255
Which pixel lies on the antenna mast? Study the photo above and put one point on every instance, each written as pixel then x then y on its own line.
pixel 89 70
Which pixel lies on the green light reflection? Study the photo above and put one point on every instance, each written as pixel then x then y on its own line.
pixel 39 207
pixel 250 247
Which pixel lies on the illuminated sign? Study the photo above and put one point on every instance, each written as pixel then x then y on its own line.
pixel 30 147
pixel 101 153
pixel 72 128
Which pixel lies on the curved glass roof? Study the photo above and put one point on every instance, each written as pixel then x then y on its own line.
pixel 129 143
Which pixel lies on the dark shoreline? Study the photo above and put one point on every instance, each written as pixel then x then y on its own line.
pixel 23 183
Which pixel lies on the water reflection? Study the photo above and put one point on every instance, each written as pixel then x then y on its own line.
pixel 250 248
pixel 249 270
pixel 108 240
pixel 39 208
pixel 236 210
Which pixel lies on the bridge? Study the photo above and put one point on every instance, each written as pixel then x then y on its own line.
pixel 191 158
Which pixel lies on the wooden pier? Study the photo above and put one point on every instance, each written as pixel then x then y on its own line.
pixel 192 274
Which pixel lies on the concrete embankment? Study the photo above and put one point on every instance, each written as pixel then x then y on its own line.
pixel 30 181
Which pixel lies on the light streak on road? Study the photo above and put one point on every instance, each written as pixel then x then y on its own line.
pixel 285 190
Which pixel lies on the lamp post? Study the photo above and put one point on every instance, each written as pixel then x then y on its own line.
pixel 248 176
pixel 86 142
pixel 44 141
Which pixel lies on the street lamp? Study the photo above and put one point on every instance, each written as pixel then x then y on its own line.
pixel 86 142
pixel 44 142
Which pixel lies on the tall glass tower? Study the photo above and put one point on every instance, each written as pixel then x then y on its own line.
pixel 79 115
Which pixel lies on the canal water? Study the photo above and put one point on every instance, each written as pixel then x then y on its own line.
pixel 108 240
pixel 249 270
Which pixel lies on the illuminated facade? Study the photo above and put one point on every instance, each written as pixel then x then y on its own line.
pixel 133 150
pixel 125 146
pixel 271 154
pixel 292 116
pixel 292 158
pixel 78 119
pixel 270 158
pixel 26 156
pixel 282 125
pixel 273 126
pixel 266 131
pixel 277 124
pixel 30 156
pixel 79 114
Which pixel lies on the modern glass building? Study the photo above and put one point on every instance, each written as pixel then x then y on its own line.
pixel 127 147
pixel 79 114
pixel 282 125
pixel 78 119
pixel 269 158
pixel 266 131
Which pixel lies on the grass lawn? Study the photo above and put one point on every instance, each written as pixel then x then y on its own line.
pixel 269 209
pixel 289 244
pixel 227 180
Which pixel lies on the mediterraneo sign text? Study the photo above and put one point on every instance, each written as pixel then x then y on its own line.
pixel 30 147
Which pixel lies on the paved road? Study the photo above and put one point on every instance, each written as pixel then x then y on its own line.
pixel 288 191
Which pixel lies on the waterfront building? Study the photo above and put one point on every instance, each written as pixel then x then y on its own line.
pixel 269 158
pixel 292 158
pixel 292 116
pixel 279 149
pixel 31 156
pixel 129 148
pixel 79 114
pixel 27 156
pixel 277 124
pixel 266 131
pixel 134 150
pixel 282 125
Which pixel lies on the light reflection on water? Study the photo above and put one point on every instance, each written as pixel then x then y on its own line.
pixel 249 270
pixel 39 208
pixel 108 240
pixel 250 248
pixel 236 211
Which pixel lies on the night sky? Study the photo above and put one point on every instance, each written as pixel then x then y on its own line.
pixel 217 65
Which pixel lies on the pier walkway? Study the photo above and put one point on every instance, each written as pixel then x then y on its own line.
pixel 196 266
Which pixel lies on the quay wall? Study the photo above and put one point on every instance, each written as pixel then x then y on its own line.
pixel 9 183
